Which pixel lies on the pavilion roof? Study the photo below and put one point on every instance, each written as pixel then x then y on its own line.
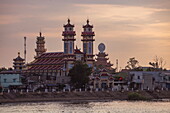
pixel 48 61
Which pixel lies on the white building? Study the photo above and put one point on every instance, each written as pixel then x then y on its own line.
pixel 10 79
pixel 147 80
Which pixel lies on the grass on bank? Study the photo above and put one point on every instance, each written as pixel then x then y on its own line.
pixel 136 96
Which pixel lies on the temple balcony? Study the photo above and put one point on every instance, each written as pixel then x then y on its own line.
pixel 87 34
pixel 72 33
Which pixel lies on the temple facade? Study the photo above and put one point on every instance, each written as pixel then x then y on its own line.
pixel 102 80
pixel 53 67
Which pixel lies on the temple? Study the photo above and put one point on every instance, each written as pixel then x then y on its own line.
pixel 87 40
pixel 103 77
pixel 101 60
pixel 53 67
pixel 40 46
pixel 18 63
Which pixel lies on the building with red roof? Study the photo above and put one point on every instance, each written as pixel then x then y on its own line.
pixel 53 67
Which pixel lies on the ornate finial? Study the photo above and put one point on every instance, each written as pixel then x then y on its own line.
pixel 18 53
pixel 68 21
pixel 40 34
pixel 87 21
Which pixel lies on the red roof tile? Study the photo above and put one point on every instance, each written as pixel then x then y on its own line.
pixel 48 61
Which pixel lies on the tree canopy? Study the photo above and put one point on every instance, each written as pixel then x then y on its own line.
pixel 132 63
pixel 158 62
pixel 80 74
pixel 5 69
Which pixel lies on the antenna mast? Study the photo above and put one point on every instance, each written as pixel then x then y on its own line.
pixel 25 48
pixel 117 65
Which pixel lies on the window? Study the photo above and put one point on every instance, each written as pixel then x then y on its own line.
pixel 138 77
pixel 70 29
pixel 90 47
pixel 62 80
pixel 60 72
pixel 5 80
pixel 14 80
pixel 89 65
pixel 71 47
pixel 65 47
pixel 70 66
pixel 84 47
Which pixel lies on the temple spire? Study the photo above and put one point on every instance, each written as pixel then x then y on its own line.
pixel 40 33
pixel 68 21
pixel 40 45
pixel 18 53
pixel 87 21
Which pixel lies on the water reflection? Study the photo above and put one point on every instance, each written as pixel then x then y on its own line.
pixel 87 107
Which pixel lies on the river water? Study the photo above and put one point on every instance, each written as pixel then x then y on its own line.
pixel 87 107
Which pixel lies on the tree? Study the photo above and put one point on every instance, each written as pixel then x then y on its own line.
pixel 3 69
pixel 132 63
pixel 80 74
pixel 158 62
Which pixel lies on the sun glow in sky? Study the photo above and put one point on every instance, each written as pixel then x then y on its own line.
pixel 135 28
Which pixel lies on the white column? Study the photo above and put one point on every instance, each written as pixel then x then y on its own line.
pixel 53 90
pixel 97 89
pixel 127 89
pixel 64 90
pixel 46 90
pixel 132 89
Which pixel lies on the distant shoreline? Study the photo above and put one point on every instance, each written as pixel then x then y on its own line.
pixel 81 96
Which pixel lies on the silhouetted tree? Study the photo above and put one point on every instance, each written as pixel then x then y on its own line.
pixel 132 63
pixel 10 69
pixel 158 62
pixel 3 69
pixel 80 74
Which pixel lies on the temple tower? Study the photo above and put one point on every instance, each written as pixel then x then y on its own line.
pixel 18 63
pixel 87 40
pixel 40 45
pixel 102 60
pixel 68 39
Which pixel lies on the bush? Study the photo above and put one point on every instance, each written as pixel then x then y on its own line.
pixel 136 96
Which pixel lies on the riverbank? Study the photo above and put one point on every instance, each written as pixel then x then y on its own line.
pixel 80 96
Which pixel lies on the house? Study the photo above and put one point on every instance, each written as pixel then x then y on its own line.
pixel 147 80
pixel 10 78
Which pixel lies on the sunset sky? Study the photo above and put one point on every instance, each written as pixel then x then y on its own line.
pixel 128 28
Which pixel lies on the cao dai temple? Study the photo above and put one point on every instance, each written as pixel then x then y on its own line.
pixel 52 68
